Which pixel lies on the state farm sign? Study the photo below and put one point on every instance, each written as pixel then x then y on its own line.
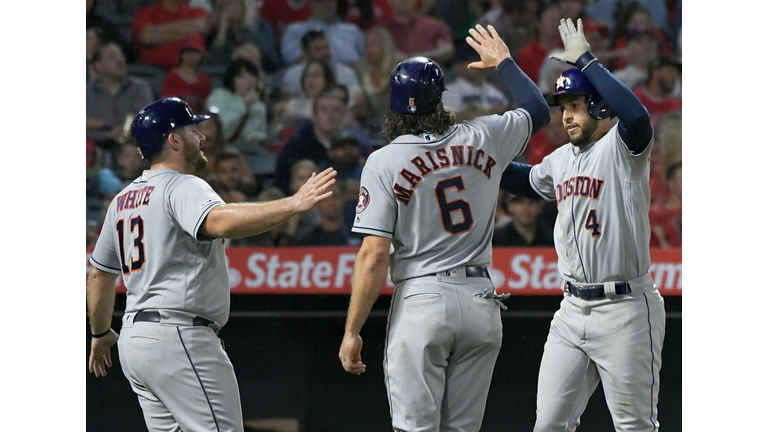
pixel 329 270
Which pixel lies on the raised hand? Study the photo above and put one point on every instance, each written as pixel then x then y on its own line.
pixel 489 45
pixel 314 190
pixel 574 42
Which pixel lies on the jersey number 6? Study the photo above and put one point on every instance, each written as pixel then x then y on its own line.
pixel 448 207
pixel 137 227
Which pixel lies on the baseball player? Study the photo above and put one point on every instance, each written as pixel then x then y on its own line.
pixel 430 195
pixel 610 325
pixel 164 234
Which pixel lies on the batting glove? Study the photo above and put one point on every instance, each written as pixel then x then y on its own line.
pixel 574 42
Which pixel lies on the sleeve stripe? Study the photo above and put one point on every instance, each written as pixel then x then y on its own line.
pixel 103 267
pixel 371 229
pixel 204 214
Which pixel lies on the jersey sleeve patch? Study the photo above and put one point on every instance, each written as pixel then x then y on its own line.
pixel 363 200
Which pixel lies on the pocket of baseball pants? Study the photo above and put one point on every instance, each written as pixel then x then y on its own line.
pixel 422 296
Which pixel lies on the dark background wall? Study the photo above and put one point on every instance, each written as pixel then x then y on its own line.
pixel 285 353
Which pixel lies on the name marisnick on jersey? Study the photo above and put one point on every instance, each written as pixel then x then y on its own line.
pixel 584 186
pixel 445 157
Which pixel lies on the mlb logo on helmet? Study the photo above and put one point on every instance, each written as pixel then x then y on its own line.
pixel 411 105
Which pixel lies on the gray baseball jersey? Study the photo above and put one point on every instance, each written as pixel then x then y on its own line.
pixel 601 235
pixel 603 198
pixel 446 186
pixel 435 197
pixel 150 237
pixel 175 282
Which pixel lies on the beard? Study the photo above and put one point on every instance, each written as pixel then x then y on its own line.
pixel 193 157
pixel 588 129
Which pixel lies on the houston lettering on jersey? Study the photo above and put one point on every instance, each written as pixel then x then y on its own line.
pixel 442 158
pixel 134 198
pixel 579 186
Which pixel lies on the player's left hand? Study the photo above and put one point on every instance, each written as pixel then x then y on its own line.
pixel 349 354
pixel 101 355
pixel 574 42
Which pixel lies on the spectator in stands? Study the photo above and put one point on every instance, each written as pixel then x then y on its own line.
pixel 658 92
pixel 640 52
pixel 185 81
pixel 514 21
pixel 667 218
pixel 231 30
pixel 129 166
pixel 230 180
pixel 524 229
pixel 315 46
pixel 281 13
pixel 112 96
pixel 631 18
pixel 312 139
pixel 161 29
pixel 607 12
pixel 470 93
pixel 531 57
pixel 240 103
pixel 345 39
pixel 373 70
pixel 552 136
pixel 106 29
pixel 331 231
pixel 366 13
pixel 250 51
pixel 317 77
pixel 433 38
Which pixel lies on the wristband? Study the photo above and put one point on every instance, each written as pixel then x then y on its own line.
pixel 96 336
pixel 585 60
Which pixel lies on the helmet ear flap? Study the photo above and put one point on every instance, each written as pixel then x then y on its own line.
pixel 598 110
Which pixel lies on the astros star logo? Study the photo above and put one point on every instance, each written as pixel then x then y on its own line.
pixel 562 82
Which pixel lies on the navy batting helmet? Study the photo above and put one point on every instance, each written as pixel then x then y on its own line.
pixel 159 118
pixel 573 81
pixel 416 86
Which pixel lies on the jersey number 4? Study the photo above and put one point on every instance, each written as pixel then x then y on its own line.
pixel 592 223
pixel 449 207
pixel 137 229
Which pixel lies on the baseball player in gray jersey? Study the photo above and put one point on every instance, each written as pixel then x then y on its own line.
pixel 610 325
pixel 164 234
pixel 429 196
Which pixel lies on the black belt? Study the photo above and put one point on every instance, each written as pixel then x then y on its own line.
pixel 471 271
pixel 596 291
pixel 154 316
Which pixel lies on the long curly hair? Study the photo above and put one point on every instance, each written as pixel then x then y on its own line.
pixel 436 121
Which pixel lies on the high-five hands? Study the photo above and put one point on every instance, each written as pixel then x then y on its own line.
pixel 574 42
pixel 489 45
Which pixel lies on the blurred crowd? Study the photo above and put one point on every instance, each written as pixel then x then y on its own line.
pixel 294 86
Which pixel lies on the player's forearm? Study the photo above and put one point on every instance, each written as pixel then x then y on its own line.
pixel 370 274
pixel 525 93
pixel 636 130
pixel 247 219
pixel 100 299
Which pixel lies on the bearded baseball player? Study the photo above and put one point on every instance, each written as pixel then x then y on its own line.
pixel 611 321
pixel 429 196
pixel 164 235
